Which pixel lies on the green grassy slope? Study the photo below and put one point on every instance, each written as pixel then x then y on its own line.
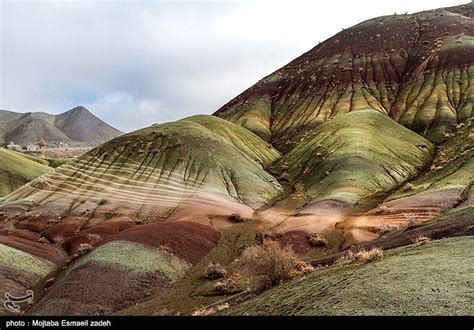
pixel 199 160
pixel 17 169
pixel 355 155
pixel 452 167
pixel 432 279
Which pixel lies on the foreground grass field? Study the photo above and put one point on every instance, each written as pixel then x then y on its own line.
pixel 431 279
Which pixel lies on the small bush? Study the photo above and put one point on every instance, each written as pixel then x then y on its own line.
pixel 272 261
pixel 224 286
pixel 412 219
pixel 364 256
pixel 382 209
pixel 215 271
pixel 166 312
pixel 236 218
pixel 385 229
pixel 421 240
pixel 211 310
pixel 260 237
pixel 93 238
pixel 318 240
pixel 84 248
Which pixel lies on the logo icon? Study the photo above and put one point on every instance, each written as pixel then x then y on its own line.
pixel 12 301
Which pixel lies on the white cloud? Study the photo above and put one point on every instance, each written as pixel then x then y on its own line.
pixel 135 63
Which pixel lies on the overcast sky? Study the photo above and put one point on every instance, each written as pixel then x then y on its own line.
pixel 135 63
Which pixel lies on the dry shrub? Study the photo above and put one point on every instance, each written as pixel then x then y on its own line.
pixel 382 209
pixel 93 238
pixel 421 240
pixel 234 217
pixel 271 260
pixel 302 267
pixel 224 286
pixel 84 248
pixel 318 240
pixel 166 312
pixel 364 256
pixel 385 229
pixel 210 310
pixel 215 271
pixel 412 219
pixel 260 237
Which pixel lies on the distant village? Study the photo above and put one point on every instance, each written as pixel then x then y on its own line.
pixel 40 145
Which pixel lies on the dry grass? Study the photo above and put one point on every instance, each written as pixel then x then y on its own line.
pixel 215 271
pixel 273 261
pixel 412 219
pixel 84 248
pixel 385 229
pixel 364 256
pixel 166 312
pixel 318 240
pixel 210 310
pixel 421 240
pixel 382 209
pixel 224 286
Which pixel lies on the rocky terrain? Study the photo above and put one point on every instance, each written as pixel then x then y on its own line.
pixel 363 142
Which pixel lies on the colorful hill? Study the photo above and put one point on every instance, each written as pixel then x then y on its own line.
pixel 364 141
pixel 417 69
pixel 76 127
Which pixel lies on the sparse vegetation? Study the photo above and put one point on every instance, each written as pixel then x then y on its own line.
pixel 318 240
pixel 364 256
pixel 224 286
pixel 234 217
pixel 272 261
pixel 385 228
pixel 84 248
pixel 421 240
pixel 211 310
pixel 215 271
pixel 382 209
pixel 166 312
pixel 412 219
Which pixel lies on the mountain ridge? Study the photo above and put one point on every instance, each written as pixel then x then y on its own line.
pixel 415 68
pixel 76 127
pixel 351 146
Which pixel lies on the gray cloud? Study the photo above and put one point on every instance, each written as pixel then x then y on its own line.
pixel 134 63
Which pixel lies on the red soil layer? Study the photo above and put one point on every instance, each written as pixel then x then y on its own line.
pixel 189 241
pixel 297 239
pixel 22 233
pixel 35 221
pixel 43 250
pixel 61 231
pixel 410 35
pixel 99 289
pixel 100 232
pixel 392 51
pixel 459 226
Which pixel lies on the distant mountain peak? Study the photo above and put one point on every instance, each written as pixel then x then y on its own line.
pixel 77 126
